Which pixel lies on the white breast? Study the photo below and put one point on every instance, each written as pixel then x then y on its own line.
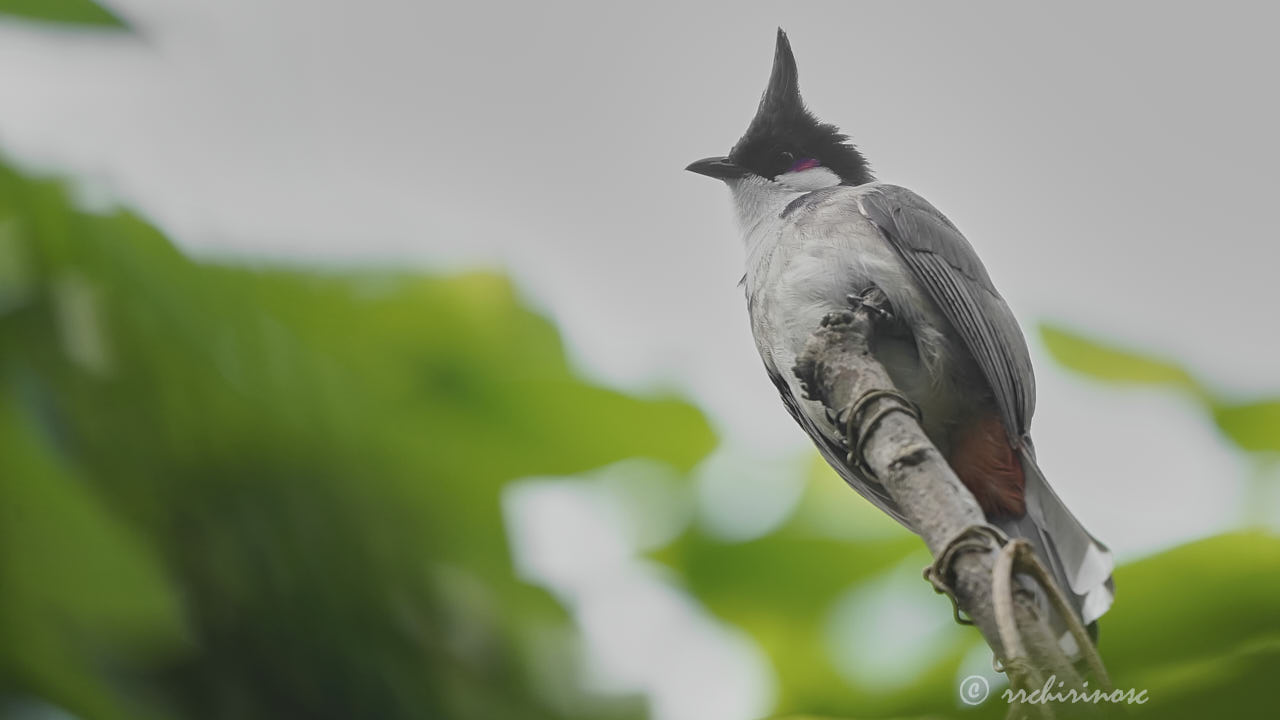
pixel 803 266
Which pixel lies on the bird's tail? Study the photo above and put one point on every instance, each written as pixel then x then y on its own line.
pixel 1079 562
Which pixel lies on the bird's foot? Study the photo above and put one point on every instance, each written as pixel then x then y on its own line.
pixel 875 302
pixel 840 317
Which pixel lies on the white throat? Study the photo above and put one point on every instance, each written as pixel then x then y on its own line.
pixel 760 202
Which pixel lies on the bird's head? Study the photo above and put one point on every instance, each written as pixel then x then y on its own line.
pixel 785 143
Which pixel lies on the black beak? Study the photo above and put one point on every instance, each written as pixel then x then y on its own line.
pixel 717 167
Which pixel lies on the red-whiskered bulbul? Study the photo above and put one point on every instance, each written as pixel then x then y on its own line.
pixel 818 229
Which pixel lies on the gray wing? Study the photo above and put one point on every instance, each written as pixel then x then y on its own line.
pixel 835 454
pixel 946 265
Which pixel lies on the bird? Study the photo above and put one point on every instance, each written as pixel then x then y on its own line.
pixel 820 230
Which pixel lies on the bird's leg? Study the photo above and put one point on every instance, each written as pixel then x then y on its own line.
pixel 874 301
pixel 880 312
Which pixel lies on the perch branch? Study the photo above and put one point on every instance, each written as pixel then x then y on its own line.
pixel 974 563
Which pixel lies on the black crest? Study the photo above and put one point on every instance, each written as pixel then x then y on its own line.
pixel 784 131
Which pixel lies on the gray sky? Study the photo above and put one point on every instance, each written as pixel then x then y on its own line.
pixel 1113 163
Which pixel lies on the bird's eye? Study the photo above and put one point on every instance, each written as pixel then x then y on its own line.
pixel 786 159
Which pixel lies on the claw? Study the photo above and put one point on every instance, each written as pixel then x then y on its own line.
pixel 874 301
pixel 836 318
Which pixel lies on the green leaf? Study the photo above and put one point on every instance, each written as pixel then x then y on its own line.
pixel 1197 626
pixel 1106 362
pixel 65 12
pixel 77 583
pixel 1240 683
pixel 1254 427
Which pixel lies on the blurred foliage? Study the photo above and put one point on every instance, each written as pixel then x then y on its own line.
pixel 259 493
pixel 1197 626
pixel 782 587
pixel 1252 425
pixel 229 492
pixel 64 12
